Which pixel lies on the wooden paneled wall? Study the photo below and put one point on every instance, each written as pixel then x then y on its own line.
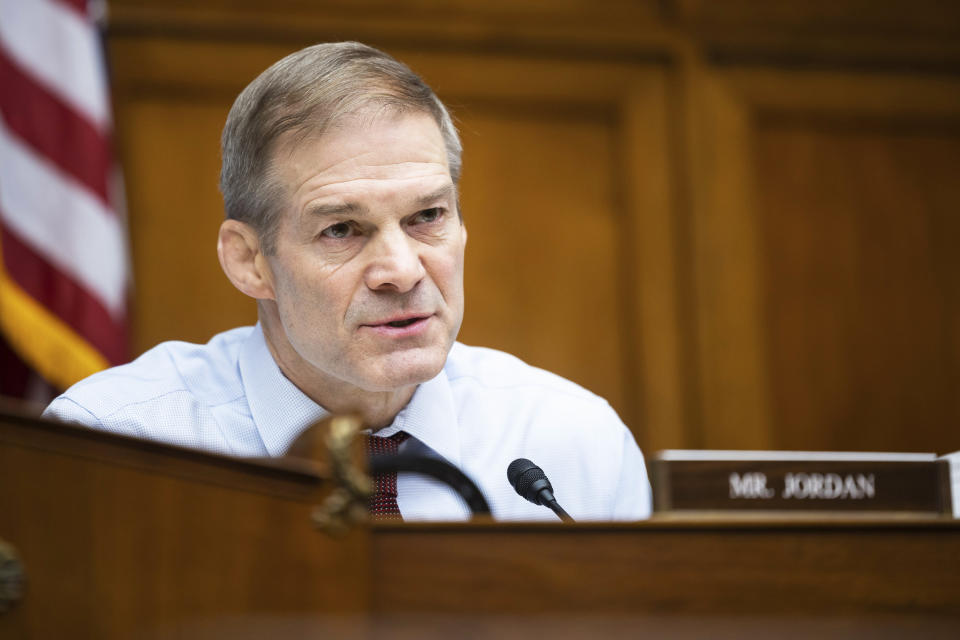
pixel 735 220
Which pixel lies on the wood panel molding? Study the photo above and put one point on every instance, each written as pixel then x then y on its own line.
pixel 902 17
pixel 887 34
pixel 727 108
pixel 734 396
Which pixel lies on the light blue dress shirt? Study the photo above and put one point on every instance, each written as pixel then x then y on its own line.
pixel 483 410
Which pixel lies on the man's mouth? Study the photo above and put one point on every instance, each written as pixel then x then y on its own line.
pixel 402 323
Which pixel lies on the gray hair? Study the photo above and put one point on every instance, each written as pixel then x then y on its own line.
pixel 305 93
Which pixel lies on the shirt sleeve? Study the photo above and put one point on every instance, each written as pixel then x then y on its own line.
pixel 634 499
pixel 64 409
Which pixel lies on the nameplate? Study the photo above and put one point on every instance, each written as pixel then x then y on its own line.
pixel 800 481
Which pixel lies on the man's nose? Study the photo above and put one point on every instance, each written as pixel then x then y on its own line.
pixel 395 264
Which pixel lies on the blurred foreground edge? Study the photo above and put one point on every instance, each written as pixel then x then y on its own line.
pixel 120 538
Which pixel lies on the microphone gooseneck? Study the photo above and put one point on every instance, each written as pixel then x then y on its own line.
pixel 532 484
pixel 438 469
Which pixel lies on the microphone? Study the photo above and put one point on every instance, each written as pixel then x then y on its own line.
pixel 531 483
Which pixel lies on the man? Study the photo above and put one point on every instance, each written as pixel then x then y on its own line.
pixel 339 177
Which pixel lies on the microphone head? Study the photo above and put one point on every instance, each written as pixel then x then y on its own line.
pixel 528 480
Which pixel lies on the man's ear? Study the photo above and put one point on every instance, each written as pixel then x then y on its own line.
pixel 238 247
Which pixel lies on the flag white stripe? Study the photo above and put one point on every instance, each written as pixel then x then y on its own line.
pixel 61 50
pixel 63 222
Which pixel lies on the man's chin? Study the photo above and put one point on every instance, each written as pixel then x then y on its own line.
pixel 397 371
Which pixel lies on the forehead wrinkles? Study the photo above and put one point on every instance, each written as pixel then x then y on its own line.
pixel 363 160
pixel 368 132
pixel 370 168
pixel 371 174
pixel 413 182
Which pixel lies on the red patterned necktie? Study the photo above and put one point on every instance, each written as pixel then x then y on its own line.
pixel 383 502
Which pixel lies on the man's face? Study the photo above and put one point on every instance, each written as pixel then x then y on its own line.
pixel 368 266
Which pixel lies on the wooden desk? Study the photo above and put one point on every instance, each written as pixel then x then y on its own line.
pixel 123 538
pixel 836 577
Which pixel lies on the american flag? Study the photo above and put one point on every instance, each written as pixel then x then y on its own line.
pixel 64 266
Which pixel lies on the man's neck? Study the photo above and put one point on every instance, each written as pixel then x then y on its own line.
pixel 377 409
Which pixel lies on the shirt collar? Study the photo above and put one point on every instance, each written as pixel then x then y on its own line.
pixel 280 410
pixel 431 418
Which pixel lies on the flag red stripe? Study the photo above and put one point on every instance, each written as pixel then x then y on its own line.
pixel 54 130
pixel 63 297
pixel 77 5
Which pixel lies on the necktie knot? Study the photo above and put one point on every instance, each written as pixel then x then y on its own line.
pixel 389 445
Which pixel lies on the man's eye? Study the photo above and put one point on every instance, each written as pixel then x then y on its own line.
pixel 428 215
pixel 337 231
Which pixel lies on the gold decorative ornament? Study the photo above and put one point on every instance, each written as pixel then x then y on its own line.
pixel 347 504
